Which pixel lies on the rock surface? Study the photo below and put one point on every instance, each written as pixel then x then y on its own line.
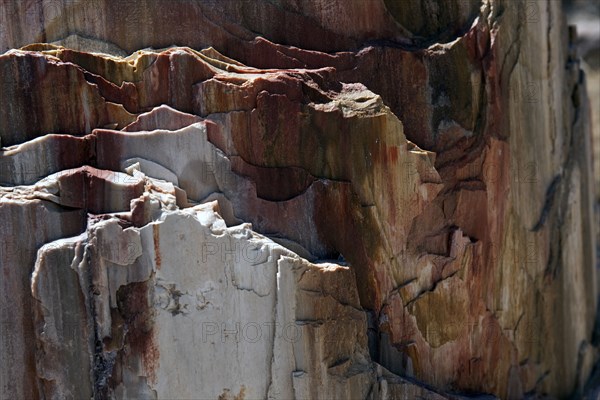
pixel 377 200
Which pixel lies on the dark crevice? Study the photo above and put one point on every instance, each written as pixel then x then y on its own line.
pixel 551 193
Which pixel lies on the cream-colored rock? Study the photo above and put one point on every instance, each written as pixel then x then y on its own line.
pixel 186 307
pixel 26 225
pixel 63 321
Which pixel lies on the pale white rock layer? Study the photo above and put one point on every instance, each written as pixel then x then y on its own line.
pixel 219 312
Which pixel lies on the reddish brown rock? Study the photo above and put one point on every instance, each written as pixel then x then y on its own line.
pixel 427 149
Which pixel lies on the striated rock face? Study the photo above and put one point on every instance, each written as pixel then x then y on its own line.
pixel 394 201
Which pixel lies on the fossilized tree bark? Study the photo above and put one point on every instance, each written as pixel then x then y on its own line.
pixel 418 175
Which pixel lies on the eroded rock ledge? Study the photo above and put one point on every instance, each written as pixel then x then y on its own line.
pixel 146 250
pixel 200 227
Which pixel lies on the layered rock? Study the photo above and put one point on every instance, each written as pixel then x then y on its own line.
pixel 132 310
pixel 429 240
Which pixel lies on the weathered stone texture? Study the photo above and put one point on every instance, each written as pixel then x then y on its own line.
pixel 371 199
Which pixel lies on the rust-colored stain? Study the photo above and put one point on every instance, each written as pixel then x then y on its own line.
pixel 226 395
pixel 157 258
pixel 393 154
pixel 134 306
pixel 242 394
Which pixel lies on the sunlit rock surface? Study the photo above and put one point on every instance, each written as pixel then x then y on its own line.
pixel 373 200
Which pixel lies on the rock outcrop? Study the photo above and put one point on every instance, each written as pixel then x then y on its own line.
pixel 376 200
